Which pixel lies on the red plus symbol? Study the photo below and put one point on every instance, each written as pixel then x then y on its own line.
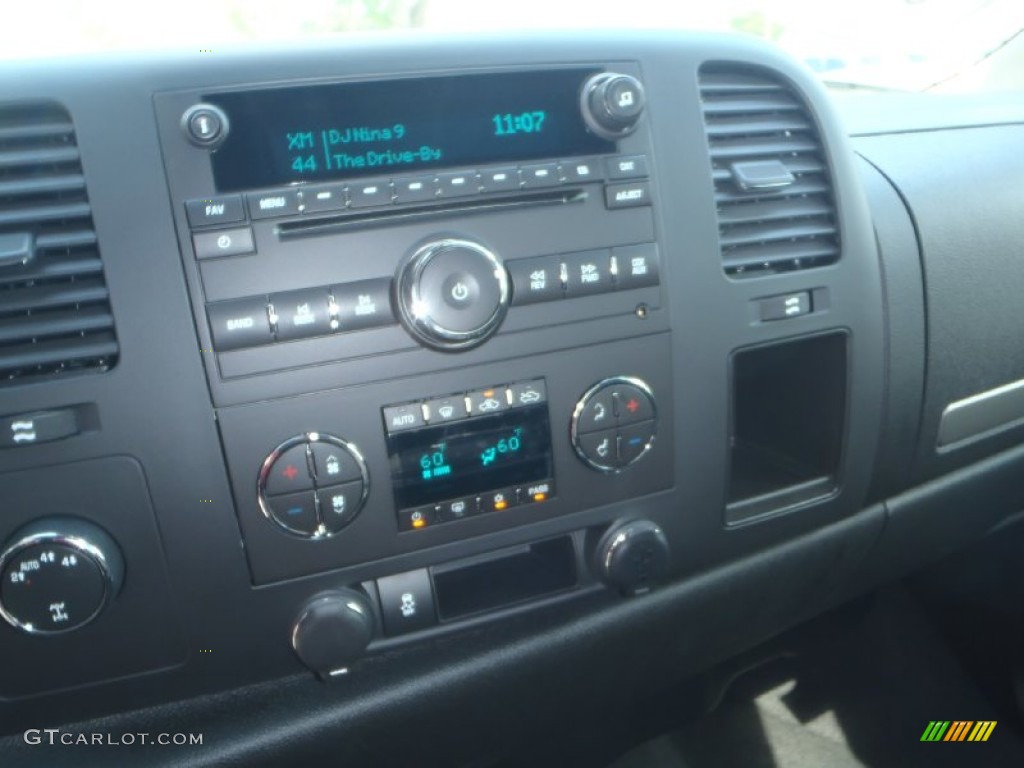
pixel 290 472
pixel 632 405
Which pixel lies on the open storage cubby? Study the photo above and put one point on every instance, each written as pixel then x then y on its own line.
pixel 788 422
pixel 505 578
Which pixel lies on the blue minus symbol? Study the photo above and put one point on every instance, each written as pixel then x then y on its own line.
pixel 294 511
pixel 635 440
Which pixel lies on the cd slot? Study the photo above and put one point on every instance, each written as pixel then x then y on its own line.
pixel 346 220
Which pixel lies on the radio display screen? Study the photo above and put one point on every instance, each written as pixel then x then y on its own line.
pixel 472 456
pixel 400 127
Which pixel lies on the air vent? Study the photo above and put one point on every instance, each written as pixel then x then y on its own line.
pixel 773 193
pixel 55 316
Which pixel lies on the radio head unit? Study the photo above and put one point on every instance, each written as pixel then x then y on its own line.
pixel 331 221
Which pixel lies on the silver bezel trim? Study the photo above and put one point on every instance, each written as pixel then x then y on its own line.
pixel 307 438
pixel 582 403
pixel 81 545
pixel 986 413
pixel 424 327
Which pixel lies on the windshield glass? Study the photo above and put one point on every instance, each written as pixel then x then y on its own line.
pixel 890 44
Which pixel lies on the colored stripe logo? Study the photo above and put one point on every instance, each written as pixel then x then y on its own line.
pixel 958 730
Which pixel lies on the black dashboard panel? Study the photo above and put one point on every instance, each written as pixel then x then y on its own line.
pixel 276 342
pixel 961 186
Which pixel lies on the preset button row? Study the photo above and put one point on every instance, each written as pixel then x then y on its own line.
pixel 420 188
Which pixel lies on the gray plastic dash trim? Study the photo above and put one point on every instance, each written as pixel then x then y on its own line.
pixel 988 411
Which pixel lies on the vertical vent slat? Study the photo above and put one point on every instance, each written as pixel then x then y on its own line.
pixel 754 117
pixel 55 315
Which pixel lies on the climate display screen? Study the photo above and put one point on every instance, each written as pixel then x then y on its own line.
pixel 400 127
pixel 469 457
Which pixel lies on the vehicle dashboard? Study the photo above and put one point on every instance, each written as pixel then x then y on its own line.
pixel 484 379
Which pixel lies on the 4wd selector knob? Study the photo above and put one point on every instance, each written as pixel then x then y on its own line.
pixel 58 574
pixel 612 104
pixel 452 294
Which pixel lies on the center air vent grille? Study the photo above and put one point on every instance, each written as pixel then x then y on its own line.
pixel 773 192
pixel 55 315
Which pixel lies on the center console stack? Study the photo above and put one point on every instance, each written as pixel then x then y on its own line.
pixel 430 307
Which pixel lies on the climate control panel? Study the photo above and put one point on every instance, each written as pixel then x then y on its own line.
pixel 461 455
pixel 485 456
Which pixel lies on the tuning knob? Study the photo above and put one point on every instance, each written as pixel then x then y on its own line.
pixel 58 574
pixel 452 294
pixel 632 557
pixel 612 104
pixel 332 631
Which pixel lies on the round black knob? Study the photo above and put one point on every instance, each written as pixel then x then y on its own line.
pixel 632 557
pixel 58 574
pixel 332 631
pixel 205 125
pixel 612 104
pixel 452 294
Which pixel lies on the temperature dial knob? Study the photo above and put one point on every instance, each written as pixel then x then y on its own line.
pixel 612 104
pixel 452 294
pixel 58 575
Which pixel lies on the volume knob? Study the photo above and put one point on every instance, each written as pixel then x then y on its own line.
pixel 452 294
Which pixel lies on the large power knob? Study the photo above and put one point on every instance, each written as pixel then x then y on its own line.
pixel 332 631
pixel 58 575
pixel 452 294
pixel 612 104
